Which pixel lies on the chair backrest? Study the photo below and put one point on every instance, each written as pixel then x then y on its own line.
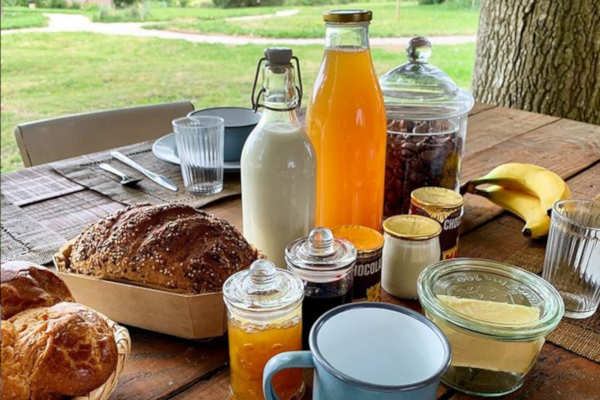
pixel 72 135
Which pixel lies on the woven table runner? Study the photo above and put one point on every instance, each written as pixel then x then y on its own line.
pixel 31 185
pixel 581 336
pixel 23 238
pixel 71 214
pixel 85 171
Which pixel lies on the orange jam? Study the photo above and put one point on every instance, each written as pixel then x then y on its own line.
pixel 249 351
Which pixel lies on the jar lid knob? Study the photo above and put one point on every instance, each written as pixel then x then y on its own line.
pixel 262 272
pixel 321 243
pixel 419 50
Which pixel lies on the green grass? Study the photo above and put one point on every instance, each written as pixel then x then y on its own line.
pixel 308 23
pixel 78 72
pixel 20 17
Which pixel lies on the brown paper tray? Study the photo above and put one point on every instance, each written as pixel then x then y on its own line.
pixel 187 316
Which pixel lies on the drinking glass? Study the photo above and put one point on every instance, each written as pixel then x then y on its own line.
pixel 200 142
pixel 572 262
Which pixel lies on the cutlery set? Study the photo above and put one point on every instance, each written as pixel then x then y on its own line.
pixel 127 180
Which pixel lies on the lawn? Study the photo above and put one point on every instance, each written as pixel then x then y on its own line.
pixel 439 19
pixel 20 17
pixel 45 76
pixel 414 19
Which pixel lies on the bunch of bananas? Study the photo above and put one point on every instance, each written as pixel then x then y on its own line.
pixel 526 190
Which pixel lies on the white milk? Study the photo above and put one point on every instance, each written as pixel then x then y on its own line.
pixel 278 187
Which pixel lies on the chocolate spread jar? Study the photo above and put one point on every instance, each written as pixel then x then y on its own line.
pixel 367 270
pixel 426 127
pixel 445 206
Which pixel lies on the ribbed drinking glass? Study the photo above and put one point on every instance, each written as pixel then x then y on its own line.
pixel 200 141
pixel 572 262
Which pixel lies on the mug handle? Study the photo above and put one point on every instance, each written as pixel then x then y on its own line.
pixel 281 361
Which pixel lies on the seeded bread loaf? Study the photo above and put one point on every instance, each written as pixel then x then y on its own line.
pixel 26 285
pixel 52 352
pixel 172 247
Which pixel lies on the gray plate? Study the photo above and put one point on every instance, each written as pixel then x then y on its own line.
pixel 165 149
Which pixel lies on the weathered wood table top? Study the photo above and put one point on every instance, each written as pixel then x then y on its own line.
pixel 164 367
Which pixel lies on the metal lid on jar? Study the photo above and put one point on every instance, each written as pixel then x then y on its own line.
pixel 412 227
pixel 365 239
pixel 342 16
pixel 320 253
pixel 262 287
pixel 439 197
pixel 417 90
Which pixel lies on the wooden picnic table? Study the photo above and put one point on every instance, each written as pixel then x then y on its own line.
pixel 165 367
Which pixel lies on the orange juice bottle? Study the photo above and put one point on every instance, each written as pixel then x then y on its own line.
pixel 347 126
pixel 264 318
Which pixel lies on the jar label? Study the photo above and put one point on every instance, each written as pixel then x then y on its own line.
pixel 450 219
pixel 367 275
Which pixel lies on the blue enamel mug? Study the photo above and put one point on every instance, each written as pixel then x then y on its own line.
pixel 368 351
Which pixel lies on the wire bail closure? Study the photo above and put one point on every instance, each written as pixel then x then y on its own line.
pixel 256 99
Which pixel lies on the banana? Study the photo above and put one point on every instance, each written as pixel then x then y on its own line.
pixel 525 206
pixel 537 181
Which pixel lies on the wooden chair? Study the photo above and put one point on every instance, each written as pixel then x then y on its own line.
pixel 72 135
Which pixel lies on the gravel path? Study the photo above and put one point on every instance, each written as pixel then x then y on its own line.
pixel 80 23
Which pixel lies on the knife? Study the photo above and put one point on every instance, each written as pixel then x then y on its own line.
pixel 160 179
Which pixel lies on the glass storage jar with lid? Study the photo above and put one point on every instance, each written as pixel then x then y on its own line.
pixel 326 266
pixel 426 127
pixel 264 318
pixel 496 317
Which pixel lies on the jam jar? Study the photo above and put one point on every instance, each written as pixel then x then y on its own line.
pixel 326 266
pixel 426 127
pixel 264 318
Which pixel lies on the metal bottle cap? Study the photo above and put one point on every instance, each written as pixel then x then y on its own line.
pixel 412 227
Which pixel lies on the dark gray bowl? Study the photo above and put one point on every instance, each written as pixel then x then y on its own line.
pixel 239 122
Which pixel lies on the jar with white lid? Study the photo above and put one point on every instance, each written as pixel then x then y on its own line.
pixel 426 127
pixel 411 243
pixel 264 310
pixel 326 266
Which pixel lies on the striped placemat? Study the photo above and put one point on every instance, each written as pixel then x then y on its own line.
pixel 85 171
pixel 581 336
pixel 31 185
pixel 70 214
pixel 23 238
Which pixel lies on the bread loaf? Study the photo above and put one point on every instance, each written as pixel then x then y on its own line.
pixel 25 285
pixel 15 383
pixel 51 352
pixel 172 247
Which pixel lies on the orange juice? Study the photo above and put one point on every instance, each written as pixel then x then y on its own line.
pixel 347 126
pixel 249 351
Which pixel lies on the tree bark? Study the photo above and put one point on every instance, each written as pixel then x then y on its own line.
pixel 541 56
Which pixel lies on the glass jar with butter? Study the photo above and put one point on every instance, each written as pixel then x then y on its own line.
pixel 496 317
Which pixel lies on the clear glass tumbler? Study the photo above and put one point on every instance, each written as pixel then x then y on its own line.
pixel 200 146
pixel 572 262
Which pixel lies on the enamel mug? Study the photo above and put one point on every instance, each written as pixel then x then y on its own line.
pixel 369 351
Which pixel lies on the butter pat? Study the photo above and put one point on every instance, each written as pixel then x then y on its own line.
pixel 491 311
pixel 477 351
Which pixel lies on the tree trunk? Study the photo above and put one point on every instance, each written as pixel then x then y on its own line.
pixel 541 56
